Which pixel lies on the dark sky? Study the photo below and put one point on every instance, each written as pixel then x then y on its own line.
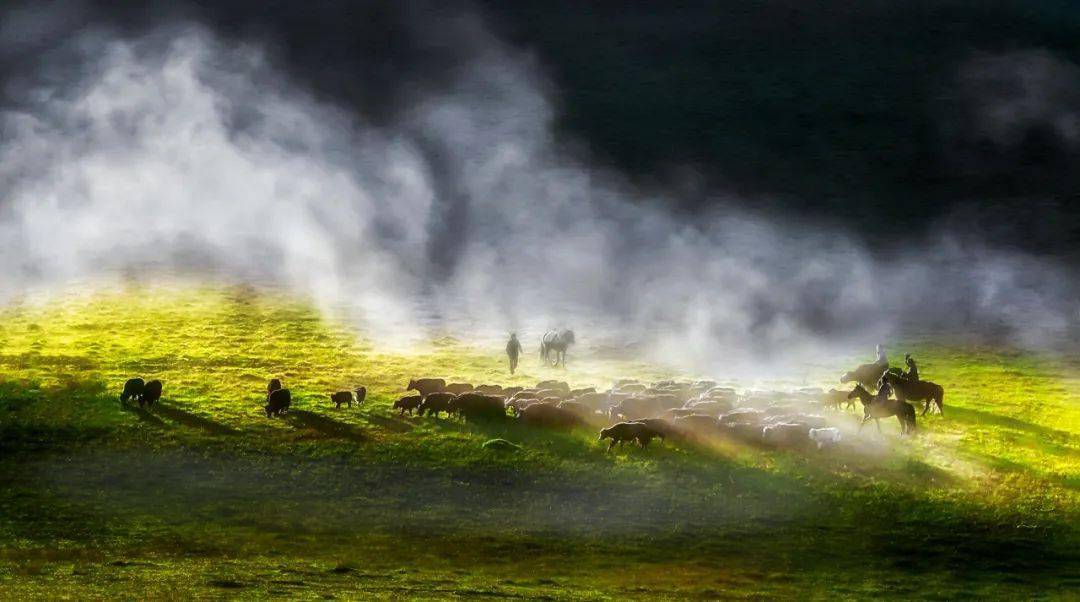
pixel 863 112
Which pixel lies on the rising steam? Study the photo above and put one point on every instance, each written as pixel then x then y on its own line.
pixel 178 151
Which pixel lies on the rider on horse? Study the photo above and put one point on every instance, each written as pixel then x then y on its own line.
pixel 912 373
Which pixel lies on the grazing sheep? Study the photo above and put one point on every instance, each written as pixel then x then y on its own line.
pixel 674 413
pixel 577 408
pixel 489 390
pixel 834 399
pixel 698 423
pixel 553 384
pixel 526 394
pixel 581 391
pixel 273 385
pixel 624 381
pixel 825 437
pixel 511 391
pixel 594 401
pixel 663 428
pixel 341 397
pixel 549 416
pixel 708 407
pixel 635 408
pixel 811 420
pixel 786 434
pixel 628 431
pixel 278 402
pixel 408 404
pixel 667 401
pixel 434 403
pixel 631 388
pixel 475 406
pixel 133 389
pixel 744 431
pixel 458 388
pixel 705 384
pixel 151 393
pixel 743 415
pixel 426 386
pixel 542 393
pixel 361 395
pixel 516 405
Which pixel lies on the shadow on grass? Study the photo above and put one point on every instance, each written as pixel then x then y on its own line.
pixel 143 415
pixel 324 425
pixel 984 418
pixel 193 420
pixel 394 423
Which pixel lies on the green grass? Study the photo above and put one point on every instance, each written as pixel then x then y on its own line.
pixel 204 496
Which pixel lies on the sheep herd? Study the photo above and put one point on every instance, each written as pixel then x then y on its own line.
pixel 636 412
pixel 628 412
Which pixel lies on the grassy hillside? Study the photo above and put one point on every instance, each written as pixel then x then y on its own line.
pixel 204 496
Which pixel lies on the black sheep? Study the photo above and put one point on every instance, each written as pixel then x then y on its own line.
pixel 151 393
pixel 133 389
pixel 341 397
pixel 278 402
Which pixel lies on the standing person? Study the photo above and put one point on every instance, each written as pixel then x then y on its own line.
pixel 881 359
pixel 513 350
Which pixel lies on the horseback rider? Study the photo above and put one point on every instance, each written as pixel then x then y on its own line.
pixel 883 392
pixel 513 350
pixel 881 359
pixel 912 373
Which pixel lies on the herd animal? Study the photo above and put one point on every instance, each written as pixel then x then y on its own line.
pixel 639 413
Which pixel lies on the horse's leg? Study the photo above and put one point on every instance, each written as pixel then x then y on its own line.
pixel 878 424
pixel 926 406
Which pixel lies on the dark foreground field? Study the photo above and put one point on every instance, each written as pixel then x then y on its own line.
pixel 202 496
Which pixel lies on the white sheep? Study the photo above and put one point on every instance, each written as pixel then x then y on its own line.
pixel 825 436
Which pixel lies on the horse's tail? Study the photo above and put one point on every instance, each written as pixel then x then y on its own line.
pixel 939 399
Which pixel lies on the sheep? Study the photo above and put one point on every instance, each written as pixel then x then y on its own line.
pixel 663 428
pixel 361 395
pixel 745 431
pixel 577 408
pixel 674 413
pixel 624 381
pixel 489 389
pixel 472 406
pixel 811 420
pixel 553 384
pixel 708 407
pixel 743 415
pixel 549 415
pixel 278 402
pixel 666 401
pixel 581 391
pixel 434 403
pixel 698 423
pixel 511 391
pixel 823 437
pixel 628 431
pixel 408 404
pixel 426 386
pixel 458 388
pixel 834 399
pixel 517 404
pixel 788 434
pixel 595 401
pixel 635 408
pixel 151 393
pixel 550 392
pixel 631 388
pixel 133 389
pixel 341 397
pixel 273 385
pixel 705 384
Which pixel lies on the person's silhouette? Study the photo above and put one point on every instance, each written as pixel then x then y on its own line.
pixel 913 370
pixel 513 350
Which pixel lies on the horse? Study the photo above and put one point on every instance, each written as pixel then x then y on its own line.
pixel 872 408
pixel 866 375
pixel 557 341
pixel 920 390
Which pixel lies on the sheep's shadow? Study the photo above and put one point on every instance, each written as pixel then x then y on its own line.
pixel 394 423
pixel 193 420
pixel 143 415
pixel 324 425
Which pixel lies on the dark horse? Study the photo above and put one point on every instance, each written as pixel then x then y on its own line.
pixel 917 390
pixel 866 375
pixel 557 341
pixel 873 408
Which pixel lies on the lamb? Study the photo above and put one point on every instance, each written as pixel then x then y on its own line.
pixel 341 397
pixel 133 389
pixel 278 402
pixel 434 403
pixel 426 386
pixel 408 404
pixel 825 437
pixel 151 393
pixel 458 388
pixel 628 431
